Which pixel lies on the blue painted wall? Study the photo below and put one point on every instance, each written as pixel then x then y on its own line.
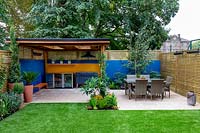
pixel 113 66
pixel 34 66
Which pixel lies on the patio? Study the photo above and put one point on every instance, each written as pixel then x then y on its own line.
pixel 175 102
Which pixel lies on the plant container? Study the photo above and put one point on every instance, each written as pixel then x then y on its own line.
pixel 28 93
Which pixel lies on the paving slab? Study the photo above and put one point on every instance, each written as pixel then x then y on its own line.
pixel 175 102
pixel 60 96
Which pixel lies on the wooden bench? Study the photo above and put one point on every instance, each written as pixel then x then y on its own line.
pixel 41 85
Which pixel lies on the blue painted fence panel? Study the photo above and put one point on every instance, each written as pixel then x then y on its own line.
pixel 34 66
pixel 114 66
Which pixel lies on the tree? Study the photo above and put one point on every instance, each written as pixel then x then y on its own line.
pixel 18 10
pixel 3 22
pixel 195 44
pixel 14 68
pixel 138 54
pixel 13 11
pixel 144 23
pixel 77 19
pixel 114 19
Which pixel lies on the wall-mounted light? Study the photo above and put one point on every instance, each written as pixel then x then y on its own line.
pixel 88 55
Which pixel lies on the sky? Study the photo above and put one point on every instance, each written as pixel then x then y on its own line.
pixel 187 20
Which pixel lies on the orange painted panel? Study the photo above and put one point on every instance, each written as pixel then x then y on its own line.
pixel 72 68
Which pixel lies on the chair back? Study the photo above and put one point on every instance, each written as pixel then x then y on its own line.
pixel 169 79
pixel 157 86
pixel 130 78
pixel 141 87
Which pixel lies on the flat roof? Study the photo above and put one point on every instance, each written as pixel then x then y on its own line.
pixel 93 44
pixel 62 39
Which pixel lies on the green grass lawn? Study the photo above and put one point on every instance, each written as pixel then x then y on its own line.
pixel 66 118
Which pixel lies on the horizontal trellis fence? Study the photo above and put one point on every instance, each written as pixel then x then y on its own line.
pixel 4 63
pixel 123 54
pixel 4 57
pixel 185 70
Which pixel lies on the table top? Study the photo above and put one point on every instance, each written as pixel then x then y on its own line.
pixel 134 80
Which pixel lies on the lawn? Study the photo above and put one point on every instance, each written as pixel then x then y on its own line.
pixel 53 118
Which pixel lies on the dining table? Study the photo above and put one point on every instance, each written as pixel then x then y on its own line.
pixel 130 83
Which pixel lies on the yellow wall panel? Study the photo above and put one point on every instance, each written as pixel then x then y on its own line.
pixel 72 68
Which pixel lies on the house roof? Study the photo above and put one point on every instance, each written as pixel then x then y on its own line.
pixel 184 40
pixel 67 44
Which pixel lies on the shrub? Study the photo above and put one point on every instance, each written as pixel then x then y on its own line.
pixel 97 84
pixel 112 85
pixel 3 76
pixel 119 79
pixel 98 97
pixel 102 104
pixel 107 102
pixel 29 77
pixel 154 74
pixel 93 103
pixel 90 86
pixel 18 88
pixel 9 103
pixel 111 100
pixel 14 69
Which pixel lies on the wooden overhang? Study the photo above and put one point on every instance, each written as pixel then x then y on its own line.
pixel 64 44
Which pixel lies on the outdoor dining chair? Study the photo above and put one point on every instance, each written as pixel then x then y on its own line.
pixel 157 88
pixel 140 88
pixel 168 82
pixel 128 81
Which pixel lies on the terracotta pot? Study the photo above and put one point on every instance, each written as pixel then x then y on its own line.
pixel 22 97
pixel 28 93
pixel 11 86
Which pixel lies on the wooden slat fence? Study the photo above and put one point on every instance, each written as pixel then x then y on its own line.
pixel 4 61
pixel 185 70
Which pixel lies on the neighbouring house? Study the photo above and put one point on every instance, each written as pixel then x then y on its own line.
pixel 175 43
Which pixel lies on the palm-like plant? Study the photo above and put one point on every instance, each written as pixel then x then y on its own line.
pixel 29 77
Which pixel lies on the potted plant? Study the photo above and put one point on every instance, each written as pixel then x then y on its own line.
pixel 61 59
pixel 53 61
pixel 69 62
pixel 19 90
pixel 97 88
pixel 3 77
pixel 29 77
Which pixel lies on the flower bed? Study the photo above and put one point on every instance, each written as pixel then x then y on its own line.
pixel 9 103
pixel 109 101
